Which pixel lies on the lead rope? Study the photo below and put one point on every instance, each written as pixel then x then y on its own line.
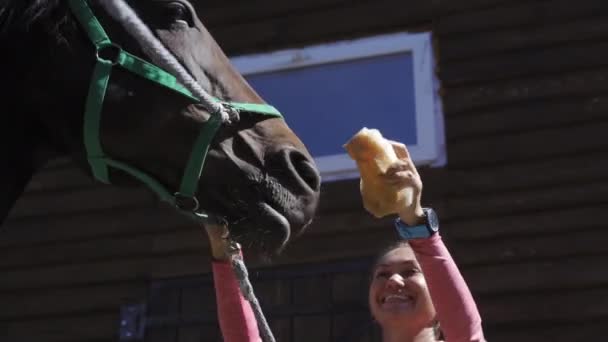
pixel 242 276
pixel 124 14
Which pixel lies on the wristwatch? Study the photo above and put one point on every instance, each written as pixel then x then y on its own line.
pixel 421 231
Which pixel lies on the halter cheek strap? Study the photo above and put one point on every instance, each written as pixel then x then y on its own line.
pixel 184 198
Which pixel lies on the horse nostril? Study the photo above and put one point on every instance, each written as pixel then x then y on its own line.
pixel 304 169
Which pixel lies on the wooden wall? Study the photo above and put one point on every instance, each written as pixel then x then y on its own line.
pixel 523 200
pixel 526 188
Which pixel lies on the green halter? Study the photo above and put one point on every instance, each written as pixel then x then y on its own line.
pixel 100 163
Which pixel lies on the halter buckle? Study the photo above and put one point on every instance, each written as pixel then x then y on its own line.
pixel 186 203
pixel 109 53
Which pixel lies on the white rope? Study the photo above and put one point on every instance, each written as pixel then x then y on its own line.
pixel 247 289
pixel 124 14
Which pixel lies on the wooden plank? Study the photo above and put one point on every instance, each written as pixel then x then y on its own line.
pixel 527 224
pixel 536 308
pixel 199 300
pixel 127 244
pixel 533 200
pixel 513 14
pixel 175 241
pixel 507 240
pixel 162 334
pixel 545 275
pixel 583 168
pixel 59 162
pixel 530 37
pixel 529 248
pixel 80 199
pixel 572 140
pixel 110 270
pixel 350 287
pixel 53 179
pixel 525 63
pixel 357 19
pixel 311 328
pixel 246 12
pixel 274 292
pixel 486 96
pixel 460 226
pixel 446 7
pixel 346 191
pixel 166 302
pixel 343 223
pixel 205 333
pixel 352 327
pixel 344 197
pixel 551 331
pixel 68 300
pixel 337 246
pixel 281 328
pixel 533 211
pixel 78 328
pixel 527 116
pixel 98 223
pixel 312 291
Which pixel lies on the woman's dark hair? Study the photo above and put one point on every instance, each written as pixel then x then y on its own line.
pixel 383 252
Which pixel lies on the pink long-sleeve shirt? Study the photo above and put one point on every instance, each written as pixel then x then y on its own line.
pixel 456 309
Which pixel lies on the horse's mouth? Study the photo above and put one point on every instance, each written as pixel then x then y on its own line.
pixel 263 225
pixel 260 228
pixel 274 218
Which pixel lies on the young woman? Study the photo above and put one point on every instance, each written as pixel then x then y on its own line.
pixel 417 293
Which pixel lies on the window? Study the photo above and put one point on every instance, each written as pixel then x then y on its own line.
pixel 307 302
pixel 328 92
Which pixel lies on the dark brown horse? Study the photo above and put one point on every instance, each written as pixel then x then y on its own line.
pixel 258 175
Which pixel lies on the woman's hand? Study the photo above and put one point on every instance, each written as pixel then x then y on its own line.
pixel 219 242
pixel 404 174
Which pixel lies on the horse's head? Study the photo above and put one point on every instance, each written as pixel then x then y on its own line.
pixel 258 175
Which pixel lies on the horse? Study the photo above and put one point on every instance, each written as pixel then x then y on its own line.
pixel 258 176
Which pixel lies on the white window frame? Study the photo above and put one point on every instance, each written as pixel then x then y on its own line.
pixel 430 149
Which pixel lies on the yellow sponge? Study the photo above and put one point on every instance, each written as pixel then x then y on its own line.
pixel 374 155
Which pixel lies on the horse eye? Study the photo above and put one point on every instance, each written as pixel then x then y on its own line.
pixel 177 11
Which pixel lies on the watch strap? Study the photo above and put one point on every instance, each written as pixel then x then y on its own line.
pixel 412 232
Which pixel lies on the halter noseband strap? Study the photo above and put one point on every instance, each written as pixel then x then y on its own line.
pixel 184 198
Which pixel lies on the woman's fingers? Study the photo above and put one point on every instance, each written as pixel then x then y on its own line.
pixel 401 165
pixel 401 174
pixel 400 150
pixel 217 232
pixel 405 162
pixel 402 177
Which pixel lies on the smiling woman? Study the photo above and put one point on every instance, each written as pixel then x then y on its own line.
pixel 257 174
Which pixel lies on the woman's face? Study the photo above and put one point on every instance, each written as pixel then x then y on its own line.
pixel 398 295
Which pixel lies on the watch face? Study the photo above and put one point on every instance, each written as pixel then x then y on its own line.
pixel 432 219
